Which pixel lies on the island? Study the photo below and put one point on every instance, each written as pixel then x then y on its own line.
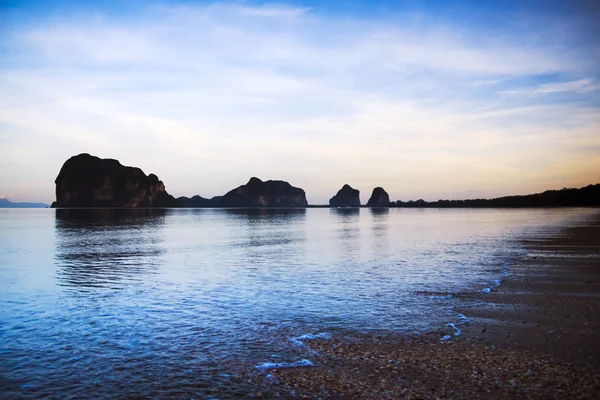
pixel 379 198
pixel 257 193
pixel 347 196
pixel 88 181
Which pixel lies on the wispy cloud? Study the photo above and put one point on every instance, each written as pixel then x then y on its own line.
pixel 192 36
pixel 489 82
pixel 578 86
pixel 272 11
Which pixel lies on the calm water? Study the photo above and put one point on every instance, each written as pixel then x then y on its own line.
pixel 167 302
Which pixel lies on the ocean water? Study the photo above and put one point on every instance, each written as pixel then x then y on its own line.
pixel 171 303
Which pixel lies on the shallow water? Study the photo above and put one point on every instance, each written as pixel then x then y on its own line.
pixel 163 302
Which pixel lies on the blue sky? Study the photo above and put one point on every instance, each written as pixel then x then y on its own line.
pixel 427 99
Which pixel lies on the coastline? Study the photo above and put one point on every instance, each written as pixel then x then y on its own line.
pixel 551 301
pixel 533 336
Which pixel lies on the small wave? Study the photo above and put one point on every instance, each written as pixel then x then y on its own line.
pixel 505 268
pixel 296 364
pixel 299 340
pixel 463 319
pixel 457 331
pixel 435 294
pixel 497 282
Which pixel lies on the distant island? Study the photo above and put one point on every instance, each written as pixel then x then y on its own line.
pixel 88 181
pixel 4 203
pixel 255 193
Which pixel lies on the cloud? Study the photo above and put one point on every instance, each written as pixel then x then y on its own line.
pixel 578 86
pixel 273 11
pixel 193 36
pixel 489 82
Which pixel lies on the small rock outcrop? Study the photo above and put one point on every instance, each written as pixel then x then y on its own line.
pixel 379 198
pixel 346 197
pixel 257 193
pixel 199 201
pixel 88 181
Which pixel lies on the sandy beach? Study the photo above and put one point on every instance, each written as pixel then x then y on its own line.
pixel 534 336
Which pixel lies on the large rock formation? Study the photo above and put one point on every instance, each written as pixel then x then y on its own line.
pixel 257 193
pixel 199 201
pixel 346 197
pixel 379 198
pixel 88 181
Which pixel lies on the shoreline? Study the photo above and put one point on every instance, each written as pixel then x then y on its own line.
pixel 533 336
pixel 550 302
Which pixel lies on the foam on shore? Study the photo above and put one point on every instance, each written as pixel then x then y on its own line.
pixel 497 282
pixel 463 319
pixel 299 340
pixel 303 363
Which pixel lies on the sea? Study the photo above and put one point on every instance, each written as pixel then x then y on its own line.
pixel 174 303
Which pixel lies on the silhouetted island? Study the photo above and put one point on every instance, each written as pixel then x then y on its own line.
pixel 379 198
pixel 199 201
pixel 257 193
pixel 88 181
pixel 584 197
pixel 346 197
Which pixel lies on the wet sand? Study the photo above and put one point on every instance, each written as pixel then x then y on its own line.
pixel 535 336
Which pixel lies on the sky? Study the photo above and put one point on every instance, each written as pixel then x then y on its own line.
pixel 428 99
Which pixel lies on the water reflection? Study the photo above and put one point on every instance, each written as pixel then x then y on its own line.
pixel 107 248
pixel 348 232
pixel 108 217
pixel 266 215
pixel 380 211
pixel 379 227
pixel 345 213
pixel 269 233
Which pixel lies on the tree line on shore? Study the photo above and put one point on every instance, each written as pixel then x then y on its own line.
pixel 587 196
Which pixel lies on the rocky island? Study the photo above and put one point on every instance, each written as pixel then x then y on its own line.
pixel 346 197
pixel 379 198
pixel 257 193
pixel 88 181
